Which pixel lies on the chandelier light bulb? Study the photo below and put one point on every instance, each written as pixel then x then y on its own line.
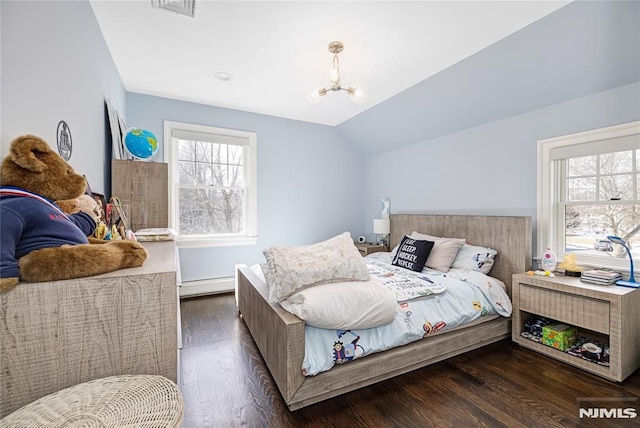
pixel 358 93
pixel 314 96
pixel 334 76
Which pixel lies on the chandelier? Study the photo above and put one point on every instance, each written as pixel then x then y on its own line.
pixel 357 93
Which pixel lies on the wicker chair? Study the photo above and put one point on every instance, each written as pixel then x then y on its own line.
pixel 116 401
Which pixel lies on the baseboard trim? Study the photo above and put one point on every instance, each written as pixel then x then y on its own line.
pixel 207 286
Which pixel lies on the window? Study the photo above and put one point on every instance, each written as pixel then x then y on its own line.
pixel 588 189
pixel 212 191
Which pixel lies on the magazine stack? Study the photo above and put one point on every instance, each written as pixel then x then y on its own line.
pixel 601 276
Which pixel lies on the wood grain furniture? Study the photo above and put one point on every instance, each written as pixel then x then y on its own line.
pixel 62 333
pixel 609 314
pixel 279 335
pixel 367 248
pixel 142 187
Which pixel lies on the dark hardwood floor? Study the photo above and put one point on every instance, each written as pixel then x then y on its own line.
pixel 226 384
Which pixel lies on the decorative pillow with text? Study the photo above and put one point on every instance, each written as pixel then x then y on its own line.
pixel 412 253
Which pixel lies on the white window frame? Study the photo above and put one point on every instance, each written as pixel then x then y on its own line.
pixel 250 232
pixel 549 215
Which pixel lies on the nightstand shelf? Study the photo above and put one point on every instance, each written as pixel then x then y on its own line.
pixel 608 314
pixel 367 248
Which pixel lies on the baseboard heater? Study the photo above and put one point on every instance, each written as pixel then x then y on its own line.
pixel 207 286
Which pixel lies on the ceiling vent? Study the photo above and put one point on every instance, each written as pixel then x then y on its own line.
pixel 184 7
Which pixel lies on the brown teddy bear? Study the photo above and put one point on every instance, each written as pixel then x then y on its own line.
pixel 38 241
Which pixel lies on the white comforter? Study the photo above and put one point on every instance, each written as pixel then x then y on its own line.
pixel 459 297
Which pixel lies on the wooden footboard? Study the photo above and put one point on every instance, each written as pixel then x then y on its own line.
pixel 278 334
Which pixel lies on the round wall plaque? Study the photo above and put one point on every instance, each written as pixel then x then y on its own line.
pixel 65 145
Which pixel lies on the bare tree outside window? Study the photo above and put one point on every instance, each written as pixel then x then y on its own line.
pixel 602 199
pixel 212 188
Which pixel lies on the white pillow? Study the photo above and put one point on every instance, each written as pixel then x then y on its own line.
pixel 444 251
pixel 344 306
pixel 475 258
pixel 289 269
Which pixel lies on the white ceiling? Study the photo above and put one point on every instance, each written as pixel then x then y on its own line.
pixel 277 51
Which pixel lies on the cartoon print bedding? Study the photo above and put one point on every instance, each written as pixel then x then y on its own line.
pixel 460 297
pixel 406 284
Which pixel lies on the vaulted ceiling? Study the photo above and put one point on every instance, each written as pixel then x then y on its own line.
pixel 431 67
pixel 277 52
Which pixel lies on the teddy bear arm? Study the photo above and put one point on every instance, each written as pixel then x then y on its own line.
pixel 11 228
pixel 78 261
pixel 84 222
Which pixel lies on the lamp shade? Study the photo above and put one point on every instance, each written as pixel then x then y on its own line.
pixel 381 226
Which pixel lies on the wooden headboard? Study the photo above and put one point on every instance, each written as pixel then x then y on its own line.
pixel 509 236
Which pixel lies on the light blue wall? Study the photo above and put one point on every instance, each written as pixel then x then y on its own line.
pixel 489 169
pixel 55 65
pixel 310 181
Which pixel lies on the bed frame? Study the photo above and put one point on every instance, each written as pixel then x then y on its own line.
pixel 279 335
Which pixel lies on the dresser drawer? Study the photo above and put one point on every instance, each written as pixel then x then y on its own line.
pixel 584 312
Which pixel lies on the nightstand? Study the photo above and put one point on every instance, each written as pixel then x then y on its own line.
pixel 606 313
pixel 367 248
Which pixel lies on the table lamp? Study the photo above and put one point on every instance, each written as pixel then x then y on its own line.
pixel 632 281
pixel 382 226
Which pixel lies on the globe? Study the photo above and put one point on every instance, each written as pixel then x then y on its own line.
pixel 141 143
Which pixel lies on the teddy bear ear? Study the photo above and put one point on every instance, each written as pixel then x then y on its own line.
pixel 27 150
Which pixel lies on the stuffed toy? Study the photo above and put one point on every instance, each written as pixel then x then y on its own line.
pixel 40 242
pixel 84 203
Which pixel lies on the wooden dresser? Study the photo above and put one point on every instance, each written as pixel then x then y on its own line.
pixel 142 188
pixel 61 333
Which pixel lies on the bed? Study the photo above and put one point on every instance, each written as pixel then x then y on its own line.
pixel 280 335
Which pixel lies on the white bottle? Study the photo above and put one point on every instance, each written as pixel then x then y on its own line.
pixel 549 260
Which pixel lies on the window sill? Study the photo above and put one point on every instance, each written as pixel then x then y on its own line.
pixel 594 262
pixel 219 242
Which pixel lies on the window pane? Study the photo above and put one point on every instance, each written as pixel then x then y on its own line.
pixel 209 211
pixel 582 166
pixel 236 155
pixel 220 153
pixel 187 172
pixel 236 175
pixel 203 177
pixel 186 150
pixel 587 228
pixel 203 151
pixel 219 175
pixel 581 189
pixel 615 163
pixel 616 187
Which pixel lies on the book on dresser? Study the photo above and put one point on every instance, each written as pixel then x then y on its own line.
pixel 601 276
